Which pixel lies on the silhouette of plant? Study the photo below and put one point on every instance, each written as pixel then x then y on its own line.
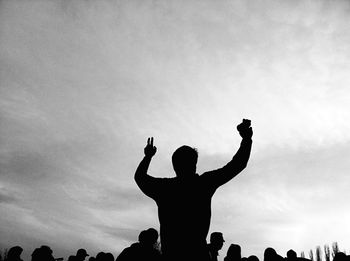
pixel 318 253
pixel 3 254
pixel 311 255
pixel 335 249
pixel 327 253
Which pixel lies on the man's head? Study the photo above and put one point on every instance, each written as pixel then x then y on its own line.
pixel 234 251
pixel 270 254
pixel 185 161
pixel 148 237
pixel 81 254
pixel 152 236
pixel 217 240
pixel 143 237
pixel 291 254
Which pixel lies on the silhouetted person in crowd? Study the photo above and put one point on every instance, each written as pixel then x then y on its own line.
pixel 145 249
pixel 271 255
pixel 100 256
pixel 253 258
pixel 291 255
pixel 14 254
pixel 80 256
pixel 233 253
pixel 92 258
pixel 340 256
pixel 108 257
pixel 42 253
pixel 184 202
pixel 216 243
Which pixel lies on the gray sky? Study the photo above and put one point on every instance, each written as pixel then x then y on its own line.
pixel 84 83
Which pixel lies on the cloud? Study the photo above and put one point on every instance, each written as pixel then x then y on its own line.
pixel 84 83
pixel 129 235
pixel 7 199
pixel 104 196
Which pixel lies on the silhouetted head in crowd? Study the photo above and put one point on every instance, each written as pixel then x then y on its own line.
pixel 81 254
pixel 148 237
pixel 216 243
pixel 185 161
pixel 14 254
pixel 233 252
pixel 46 249
pixel 92 258
pixel 291 254
pixel 151 236
pixel 143 237
pixel 269 252
pixel 42 253
pixel 108 257
pixel 100 256
pixel 216 240
pixel 271 255
pixel 253 258
pixel 144 249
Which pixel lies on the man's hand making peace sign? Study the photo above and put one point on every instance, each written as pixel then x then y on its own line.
pixel 150 150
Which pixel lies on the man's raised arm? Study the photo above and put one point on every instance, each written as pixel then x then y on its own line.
pixel 239 160
pixel 145 182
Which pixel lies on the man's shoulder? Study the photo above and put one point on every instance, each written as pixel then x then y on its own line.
pixel 206 176
pixel 158 181
pixel 169 180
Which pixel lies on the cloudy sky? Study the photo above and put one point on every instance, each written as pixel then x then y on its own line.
pixel 84 83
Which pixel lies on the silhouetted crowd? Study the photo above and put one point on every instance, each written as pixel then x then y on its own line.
pixel 148 249
pixel 184 212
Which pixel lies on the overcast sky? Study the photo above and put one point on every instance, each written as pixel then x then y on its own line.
pixel 84 83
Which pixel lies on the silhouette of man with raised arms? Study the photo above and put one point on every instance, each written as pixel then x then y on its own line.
pixel 184 202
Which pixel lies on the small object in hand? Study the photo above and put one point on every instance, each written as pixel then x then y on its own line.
pixel 245 124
